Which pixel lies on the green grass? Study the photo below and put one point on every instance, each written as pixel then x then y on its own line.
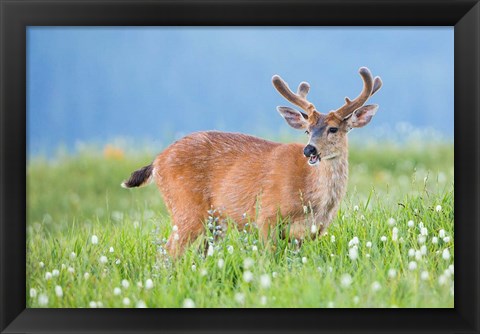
pixel 72 198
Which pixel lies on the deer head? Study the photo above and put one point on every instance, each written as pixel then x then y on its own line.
pixel 327 132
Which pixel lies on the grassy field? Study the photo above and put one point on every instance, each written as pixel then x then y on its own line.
pixel 91 243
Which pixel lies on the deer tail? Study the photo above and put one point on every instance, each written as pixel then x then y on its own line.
pixel 139 178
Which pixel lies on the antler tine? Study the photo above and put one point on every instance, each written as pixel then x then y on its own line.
pixel 377 84
pixel 303 89
pixel 298 99
pixel 370 86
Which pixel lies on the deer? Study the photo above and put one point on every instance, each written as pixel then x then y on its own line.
pixel 253 178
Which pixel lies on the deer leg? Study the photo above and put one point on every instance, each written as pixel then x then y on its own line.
pixel 185 232
pixel 188 226
pixel 267 233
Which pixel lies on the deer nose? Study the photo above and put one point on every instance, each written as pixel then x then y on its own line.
pixel 309 150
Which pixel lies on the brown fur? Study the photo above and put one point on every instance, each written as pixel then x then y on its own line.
pixel 233 173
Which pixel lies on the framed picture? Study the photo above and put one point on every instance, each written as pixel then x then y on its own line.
pixel 93 91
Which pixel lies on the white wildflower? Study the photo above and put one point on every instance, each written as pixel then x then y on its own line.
pixel 395 234
pixel 247 276
pixel 355 208
pixel 451 269
pixel 412 265
pixel 254 248
pixel 313 229
pixel 41 264
pixel 421 239
pixel 188 303
pixel 353 242
pixel 230 249
pixel 220 263
pixel 353 253
pixel 304 260
pixel 263 300
pixel 438 208
pixel 33 293
pixel 424 275
pixel 346 280
pixel 126 301
pixel 376 286
pixel 42 299
pixel 73 255
pixel 441 233
pixel 423 250
pixel 239 297
pixel 86 276
pixel 369 244
pixel 194 268
pixel 411 252
pixel 446 239
pixel 411 223
pixel 248 263
pixel 203 272
pixel 94 240
pixel 434 240
pixel 446 254
pixel 265 281
pixel 175 228
pixel 71 270
pixel 424 231
pixel 274 274
pixel 111 250
pixel 332 238
pixel 210 250
pixel 148 284
pixel 125 283
pixel 391 221
pixel 356 300
pixel 392 273
pixel 141 304
pixel 103 259
pixel 55 272
pixel 383 238
pixel 59 291
pixel 117 262
pixel 442 279
pixel 117 291
pixel 93 304
pixel 48 275
pixel 418 255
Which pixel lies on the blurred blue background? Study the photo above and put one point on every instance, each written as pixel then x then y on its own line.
pixel 95 85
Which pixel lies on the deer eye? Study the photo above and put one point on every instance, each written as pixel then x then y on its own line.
pixel 333 130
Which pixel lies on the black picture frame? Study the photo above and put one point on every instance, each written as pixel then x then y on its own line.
pixel 16 15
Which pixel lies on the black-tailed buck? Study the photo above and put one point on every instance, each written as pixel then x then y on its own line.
pixel 235 172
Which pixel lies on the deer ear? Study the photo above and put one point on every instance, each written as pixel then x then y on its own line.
pixel 362 116
pixel 294 118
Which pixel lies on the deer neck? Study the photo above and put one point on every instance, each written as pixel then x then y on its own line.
pixel 326 186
